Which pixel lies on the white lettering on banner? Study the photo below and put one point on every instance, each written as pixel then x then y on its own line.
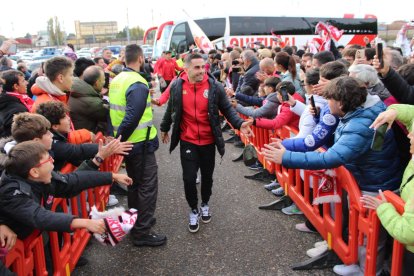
pixel 116 228
pixel 265 40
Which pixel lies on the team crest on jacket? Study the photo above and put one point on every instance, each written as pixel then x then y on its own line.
pixel 184 92
pixel 205 94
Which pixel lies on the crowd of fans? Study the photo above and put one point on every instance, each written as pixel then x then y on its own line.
pixel 41 111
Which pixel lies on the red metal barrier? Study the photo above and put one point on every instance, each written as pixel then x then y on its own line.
pixel 27 257
pixel 398 248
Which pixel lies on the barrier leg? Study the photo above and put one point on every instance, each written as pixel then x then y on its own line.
pixel 327 260
pixel 279 204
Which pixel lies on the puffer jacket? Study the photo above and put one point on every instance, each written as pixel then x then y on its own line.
pixel 373 170
pixel 25 204
pixel 401 227
pixel 268 109
pixel 87 108
pixel 217 101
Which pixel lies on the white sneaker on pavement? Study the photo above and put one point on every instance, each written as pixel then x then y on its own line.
pixel 348 270
pixel 313 252
pixel 320 243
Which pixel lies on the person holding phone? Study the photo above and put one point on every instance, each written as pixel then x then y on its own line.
pixel 373 170
pixel 394 82
pixel 400 227
pixel 284 116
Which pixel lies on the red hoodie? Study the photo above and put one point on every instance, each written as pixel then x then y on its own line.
pixel 195 124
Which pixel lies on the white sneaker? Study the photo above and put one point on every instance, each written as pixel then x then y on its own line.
pixel 194 219
pixel 349 270
pixel 205 213
pixel 313 252
pixel 320 243
pixel 112 201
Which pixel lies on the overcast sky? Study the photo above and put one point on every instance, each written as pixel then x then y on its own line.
pixel 31 16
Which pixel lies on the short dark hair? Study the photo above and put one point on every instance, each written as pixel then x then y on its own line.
pixel 132 52
pixel 23 157
pixel 272 82
pixel 56 66
pixel 333 70
pixel 81 64
pixel 290 88
pixel 28 126
pixel 350 92
pixel 312 76
pixel 324 57
pixel 97 59
pixel 53 111
pixel 407 72
pixel 11 77
pixel 92 74
pixel 189 58
pixel 370 53
pixel 288 50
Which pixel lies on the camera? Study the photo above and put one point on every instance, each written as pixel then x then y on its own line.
pixel 235 62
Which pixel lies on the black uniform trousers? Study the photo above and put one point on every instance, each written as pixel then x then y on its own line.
pixel 193 158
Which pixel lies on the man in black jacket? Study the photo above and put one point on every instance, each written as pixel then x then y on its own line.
pixel 195 102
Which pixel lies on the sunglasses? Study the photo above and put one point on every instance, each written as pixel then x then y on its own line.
pixel 50 159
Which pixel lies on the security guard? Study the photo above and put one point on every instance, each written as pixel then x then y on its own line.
pixel 131 117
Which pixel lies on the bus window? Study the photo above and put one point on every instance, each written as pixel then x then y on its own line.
pixel 178 38
pixel 240 25
pixel 213 28
pixel 290 25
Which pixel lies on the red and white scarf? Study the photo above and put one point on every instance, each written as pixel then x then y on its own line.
pixel 24 99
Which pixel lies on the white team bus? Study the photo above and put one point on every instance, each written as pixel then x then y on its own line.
pixel 242 30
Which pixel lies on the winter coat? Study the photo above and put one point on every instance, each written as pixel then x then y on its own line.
pixel 398 87
pixel 4 150
pixel 267 110
pixel 373 170
pixel 25 205
pixel 249 78
pixel 401 227
pixel 250 100
pixel 217 101
pixel 9 106
pixel 87 108
pixel 64 152
pixel 380 90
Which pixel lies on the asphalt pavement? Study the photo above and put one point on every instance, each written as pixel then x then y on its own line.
pixel 239 240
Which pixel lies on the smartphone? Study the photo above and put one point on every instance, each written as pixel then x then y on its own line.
pixel 12 50
pixel 312 102
pixel 380 54
pixel 360 54
pixel 378 139
pixel 283 91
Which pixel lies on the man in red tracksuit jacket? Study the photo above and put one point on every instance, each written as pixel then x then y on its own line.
pixel 166 69
pixel 195 101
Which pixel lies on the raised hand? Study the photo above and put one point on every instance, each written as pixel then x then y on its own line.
pixel 387 116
